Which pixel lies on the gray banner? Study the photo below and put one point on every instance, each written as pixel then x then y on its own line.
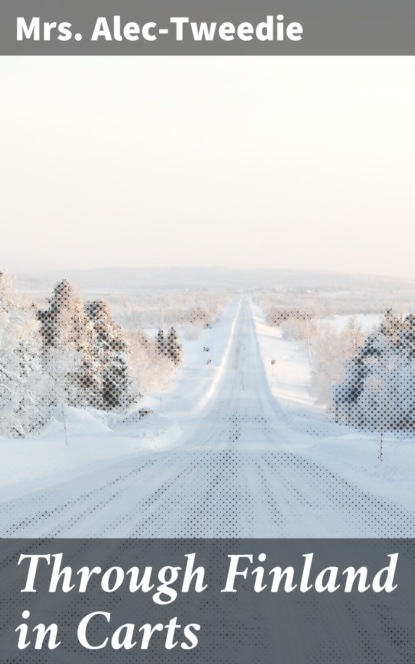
pixel 308 625
pixel 150 27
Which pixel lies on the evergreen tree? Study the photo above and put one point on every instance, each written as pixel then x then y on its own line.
pixel 68 347
pixel 169 346
pixel 24 406
pixel 150 370
pixel 160 342
pixel 110 352
pixel 378 386
pixel 173 348
pixel 65 323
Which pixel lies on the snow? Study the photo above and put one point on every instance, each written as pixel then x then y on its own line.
pixel 193 382
pixel 352 454
pixel 356 457
pixel 367 322
pixel 233 449
pixel 290 377
pixel 95 438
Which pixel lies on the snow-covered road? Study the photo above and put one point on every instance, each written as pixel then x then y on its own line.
pixel 237 471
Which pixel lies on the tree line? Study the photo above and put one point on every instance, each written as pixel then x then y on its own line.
pixel 366 381
pixel 68 353
pixel 377 389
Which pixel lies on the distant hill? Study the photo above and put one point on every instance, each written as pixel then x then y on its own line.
pixel 133 279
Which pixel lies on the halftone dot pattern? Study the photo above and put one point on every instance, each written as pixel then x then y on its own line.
pixel 376 389
pixel 277 315
pixel 214 495
pixel 96 374
pixel 377 392
pixel 245 626
pixel 232 477
pixel 235 478
pixel 169 345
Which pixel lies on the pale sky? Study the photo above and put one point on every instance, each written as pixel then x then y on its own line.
pixel 302 163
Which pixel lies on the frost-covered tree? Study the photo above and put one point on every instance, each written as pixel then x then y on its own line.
pixel 67 330
pixel 330 349
pixel 84 351
pixel 160 342
pixel 65 322
pixel 110 354
pixel 24 403
pixel 150 369
pixel 169 345
pixel 173 349
pixel 377 390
